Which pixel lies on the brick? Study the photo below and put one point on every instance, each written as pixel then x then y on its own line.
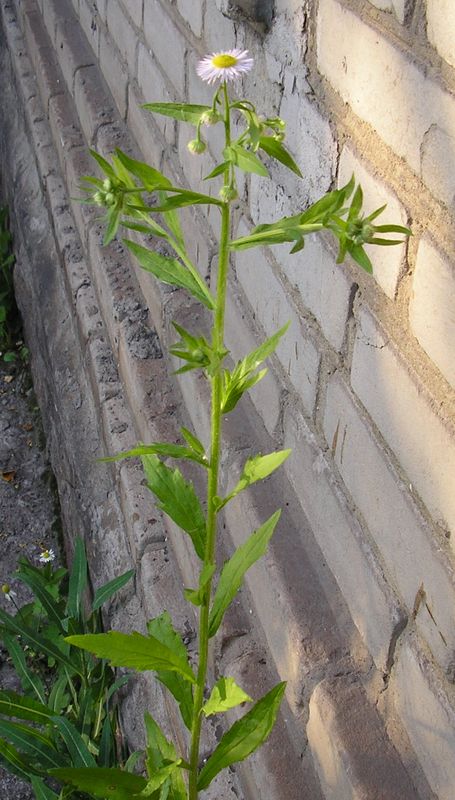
pixel 398 6
pixel 372 604
pixel 65 130
pixel 219 31
pixel 93 101
pixel 90 24
pixel 371 74
pixel 296 351
pixel 342 728
pixel 134 8
pixel 142 125
pixel 155 89
pixel 388 262
pixel 101 8
pixel 45 64
pixel 406 417
pixel 166 43
pixel 441 27
pixel 437 167
pixel 73 51
pixel 123 34
pixel 412 553
pixel 192 14
pixel 54 12
pixel 115 74
pixel 431 308
pixel 428 715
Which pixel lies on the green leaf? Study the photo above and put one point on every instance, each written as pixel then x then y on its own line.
pixel 159 749
pixel 105 166
pixel 132 650
pixel 15 705
pixel 39 643
pixel 42 792
pixel 245 160
pixel 78 579
pixel 276 150
pixel 157 780
pixel 245 736
pixel 233 571
pixel 195 444
pixel 113 222
pixel 107 743
pixel 172 220
pixel 26 676
pixel 219 170
pixel 160 449
pixel 225 695
pixel 150 178
pixel 107 784
pixel 15 762
pixel 162 629
pixel 31 742
pixel 196 596
pixel 256 469
pixel 265 238
pixel 59 697
pixel 182 198
pixel 105 592
pixel 185 112
pixel 78 750
pixel 48 603
pixel 178 500
pixel 358 254
pixel 117 685
pixel 171 271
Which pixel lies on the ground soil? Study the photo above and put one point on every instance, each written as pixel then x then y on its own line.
pixel 29 518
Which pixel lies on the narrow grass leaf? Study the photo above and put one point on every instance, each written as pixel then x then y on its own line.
pixel 42 791
pixel 78 579
pixel 29 681
pixel 15 705
pixel 15 762
pixel 78 750
pixel 105 592
pixel 233 571
pixel 39 643
pixel 245 736
pixel 31 742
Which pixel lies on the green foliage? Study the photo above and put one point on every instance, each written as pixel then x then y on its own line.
pixel 256 469
pixel 225 695
pixel 102 782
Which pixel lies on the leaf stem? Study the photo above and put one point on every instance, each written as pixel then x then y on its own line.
pixel 213 472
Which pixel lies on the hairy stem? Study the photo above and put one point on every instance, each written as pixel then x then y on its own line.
pixel 213 473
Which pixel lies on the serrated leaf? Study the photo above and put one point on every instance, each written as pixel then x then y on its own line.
pixel 225 695
pixel 150 177
pixel 78 750
pixel 162 629
pixel 28 679
pixel 105 592
pixel 39 643
pixel 159 749
pixel 101 782
pixel 78 579
pixel 256 469
pixel 42 791
pixel 233 571
pixel 245 160
pixel 276 150
pixel 132 650
pixel 196 596
pixel 16 705
pixel 177 499
pixel 185 112
pixel 245 736
pixel 160 776
pixel 171 271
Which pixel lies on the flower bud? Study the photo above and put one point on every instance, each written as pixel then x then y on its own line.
pixel 196 146
pixel 228 193
pixel 98 198
pixel 210 117
pixel 109 199
pixel 107 185
pixel 6 588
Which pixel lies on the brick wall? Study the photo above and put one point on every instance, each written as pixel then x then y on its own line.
pixel 362 388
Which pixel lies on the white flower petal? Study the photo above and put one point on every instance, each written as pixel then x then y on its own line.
pixel 239 63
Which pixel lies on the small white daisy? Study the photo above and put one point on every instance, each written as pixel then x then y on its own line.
pixel 46 556
pixel 227 66
pixel 8 592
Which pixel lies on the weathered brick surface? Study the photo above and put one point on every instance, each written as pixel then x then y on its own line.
pixel 123 34
pixel 164 38
pixel 440 27
pixel 114 72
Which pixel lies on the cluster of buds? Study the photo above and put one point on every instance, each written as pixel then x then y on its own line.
pixel 360 231
pixel 106 196
pixel 277 125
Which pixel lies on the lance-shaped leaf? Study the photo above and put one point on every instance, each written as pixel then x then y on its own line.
pixel 245 736
pixel 159 753
pixel 16 763
pixel 171 271
pixel 150 178
pixel 78 579
pixel 161 449
pixel 160 777
pixel 107 784
pixel 105 166
pixel 16 705
pixel 50 606
pixel 26 676
pixel 244 374
pixel 182 198
pixel 162 629
pixel 256 469
pixel 185 112
pixel 276 150
pixel 245 160
pixel 225 695
pixel 75 744
pixel 105 592
pixel 31 742
pixel 233 571
pixel 39 643
pixel 132 650
pixel 196 596
pixel 177 499
pixel 42 792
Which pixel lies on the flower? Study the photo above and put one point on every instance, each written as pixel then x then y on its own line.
pixel 46 556
pixel 8 592
pixel 227 66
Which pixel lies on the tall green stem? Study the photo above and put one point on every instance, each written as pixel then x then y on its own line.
pixel 213 472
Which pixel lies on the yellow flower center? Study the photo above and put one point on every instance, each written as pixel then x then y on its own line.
pixel 223 61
